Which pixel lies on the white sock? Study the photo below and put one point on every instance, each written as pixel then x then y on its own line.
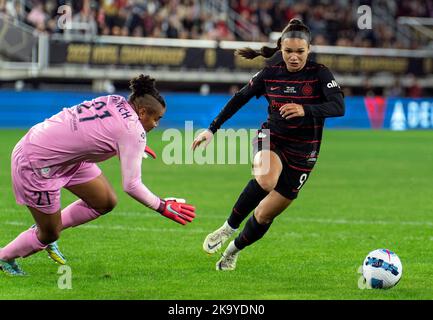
pixel 227 227
pixel 231 248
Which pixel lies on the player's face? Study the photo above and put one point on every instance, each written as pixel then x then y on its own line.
pixel 295 53
pixel 149 117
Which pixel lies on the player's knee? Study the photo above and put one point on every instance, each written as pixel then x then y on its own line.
pixel 108 205
pixel 264 220
pixel 261 217
pixel 267 183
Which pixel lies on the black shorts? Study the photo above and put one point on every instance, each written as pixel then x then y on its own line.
pixel 293 176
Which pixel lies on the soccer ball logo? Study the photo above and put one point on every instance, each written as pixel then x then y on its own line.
pixel 382 269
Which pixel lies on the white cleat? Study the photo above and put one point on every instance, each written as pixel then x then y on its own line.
pixel 228 258
pixel 215 240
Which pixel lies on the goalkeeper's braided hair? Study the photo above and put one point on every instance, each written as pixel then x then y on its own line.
pixel 143 89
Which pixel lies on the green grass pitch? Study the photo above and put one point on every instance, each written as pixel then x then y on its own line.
pixel 369 190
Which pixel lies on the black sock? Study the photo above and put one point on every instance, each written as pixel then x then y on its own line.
pixel 247 202
pixel 252 232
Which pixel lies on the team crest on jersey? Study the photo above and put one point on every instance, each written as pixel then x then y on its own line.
pixel 307 90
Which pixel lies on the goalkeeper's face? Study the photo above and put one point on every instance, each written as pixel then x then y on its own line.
pixel 149 117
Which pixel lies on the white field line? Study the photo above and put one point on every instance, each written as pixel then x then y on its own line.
pixel 158 230
pixel 289 234
pixel 121 228
pixel 284 217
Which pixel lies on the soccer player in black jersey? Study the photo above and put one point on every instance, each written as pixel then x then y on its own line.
pixel 301 94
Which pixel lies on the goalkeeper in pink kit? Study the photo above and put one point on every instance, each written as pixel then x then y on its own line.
pixel 62 152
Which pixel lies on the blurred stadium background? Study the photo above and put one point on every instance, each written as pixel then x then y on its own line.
pixel 370 188
pixel 70 47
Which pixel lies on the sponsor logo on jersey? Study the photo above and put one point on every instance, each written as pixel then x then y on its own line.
pixel 274 88
pixel 290 90
pixel 332 84
pixel 276 104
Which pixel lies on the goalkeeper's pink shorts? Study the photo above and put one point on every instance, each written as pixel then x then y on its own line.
pixel 40 188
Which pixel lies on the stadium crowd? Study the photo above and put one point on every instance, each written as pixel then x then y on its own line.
pixel 331 22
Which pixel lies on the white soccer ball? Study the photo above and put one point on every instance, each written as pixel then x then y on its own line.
pixel 382 269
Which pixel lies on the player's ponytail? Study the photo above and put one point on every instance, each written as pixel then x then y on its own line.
pixel 295 28
pixel 264 51
pixel 293 23
pixel 141 88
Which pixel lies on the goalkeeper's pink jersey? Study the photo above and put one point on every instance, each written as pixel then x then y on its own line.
pixel 92 131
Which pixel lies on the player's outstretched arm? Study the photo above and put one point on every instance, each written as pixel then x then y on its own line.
pixel 130 154
pixel 177 210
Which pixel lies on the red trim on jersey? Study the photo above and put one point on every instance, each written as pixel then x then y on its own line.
pixel 295 140
pixel 284 67
pixel 293 81
pixel 303 127
pixel 291 97
pixel 296 154
pixel 300 169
